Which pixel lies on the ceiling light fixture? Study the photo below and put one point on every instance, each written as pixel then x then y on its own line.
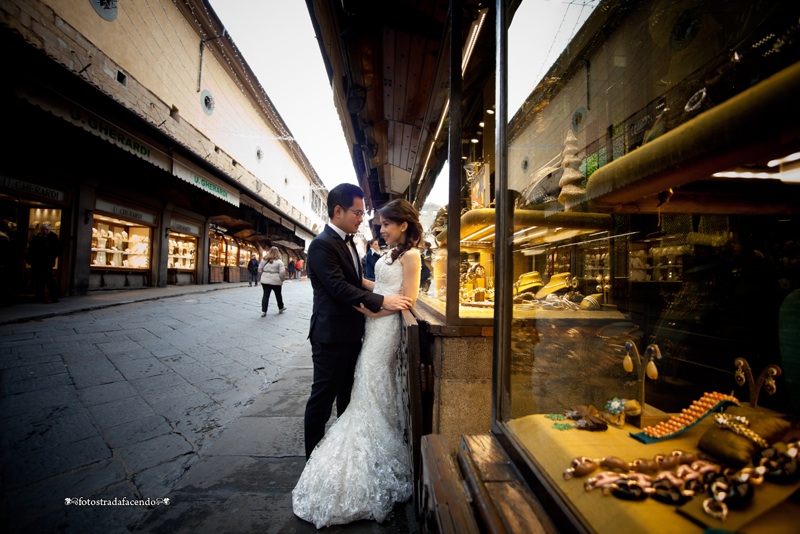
pixel 786 159
pixel 466 55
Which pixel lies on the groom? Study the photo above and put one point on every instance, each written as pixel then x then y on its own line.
pixel 337 327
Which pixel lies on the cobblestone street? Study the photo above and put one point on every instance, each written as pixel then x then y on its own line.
pixel 146 401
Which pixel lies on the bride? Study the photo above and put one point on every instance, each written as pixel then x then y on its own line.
pixel 362 467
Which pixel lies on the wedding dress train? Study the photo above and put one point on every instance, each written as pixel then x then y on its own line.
pixel 361 468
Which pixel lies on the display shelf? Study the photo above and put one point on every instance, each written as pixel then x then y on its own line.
pixel 555 449
pixel 182 252
pixel 117 244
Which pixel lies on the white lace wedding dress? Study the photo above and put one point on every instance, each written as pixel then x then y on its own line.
pixel 362 466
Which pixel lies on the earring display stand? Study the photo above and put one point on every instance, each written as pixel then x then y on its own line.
pixel 766 379
pixel 643 370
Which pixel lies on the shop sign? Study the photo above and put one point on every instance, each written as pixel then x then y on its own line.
pixel 190 173
pixel 86 120
pixel 125 212
pixel 185 228
pixel 28 188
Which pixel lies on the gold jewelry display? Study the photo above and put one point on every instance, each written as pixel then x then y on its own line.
pixel 766 379
pixel 716 509
pixel 557 281
pixel 738 425
pixel 650 370
pixel 688 417
pixel 739 374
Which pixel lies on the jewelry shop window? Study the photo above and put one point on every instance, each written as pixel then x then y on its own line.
pixel 458 212
pixel 650 288
pixel 245 251
pixel 120 244
pixel 216 250
pixel 182 252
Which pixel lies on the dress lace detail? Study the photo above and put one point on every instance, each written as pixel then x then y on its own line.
pixel 362 466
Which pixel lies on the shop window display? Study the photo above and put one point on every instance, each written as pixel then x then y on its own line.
pixel 649 379
pixel 120 244
pixel 182 252
pixel 231 250
pixel 216 252
pixel 245 251
pixel 216 257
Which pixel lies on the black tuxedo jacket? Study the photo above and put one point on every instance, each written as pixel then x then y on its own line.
pixel 337 288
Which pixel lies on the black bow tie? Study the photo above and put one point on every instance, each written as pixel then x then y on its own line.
pixel 349 238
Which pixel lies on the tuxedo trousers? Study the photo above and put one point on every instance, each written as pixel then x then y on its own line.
pixel 334 367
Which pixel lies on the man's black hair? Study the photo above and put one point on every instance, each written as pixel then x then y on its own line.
pixel 343 195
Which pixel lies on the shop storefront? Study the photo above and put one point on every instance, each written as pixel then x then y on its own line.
pixel 182 252
pixel 24 207
pixel 628 283
pixel 118 179
pixel 122 245
pixel 246 251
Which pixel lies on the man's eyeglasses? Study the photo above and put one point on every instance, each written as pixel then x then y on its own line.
pixel 357 213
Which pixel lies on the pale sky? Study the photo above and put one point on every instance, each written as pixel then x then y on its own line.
pixel 277 40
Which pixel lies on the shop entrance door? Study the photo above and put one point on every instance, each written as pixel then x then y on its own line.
pixel 20 221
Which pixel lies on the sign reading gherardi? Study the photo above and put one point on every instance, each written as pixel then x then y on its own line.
pixel 192 174
pixel 125 211
pixel 21 186
pixel 127 139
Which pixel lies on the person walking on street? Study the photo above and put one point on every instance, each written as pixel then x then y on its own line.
pixel 272 273
pixel 291 267
pixel 252 268
pixel 299 264
pixel 43 250
pixel 337 327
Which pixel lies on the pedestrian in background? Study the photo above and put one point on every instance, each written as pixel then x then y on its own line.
pixel 371 258
pixel 272 273
pixel 291 269
pixel 43 250
pixel 252 268
pixel 426 265
pixel 299 264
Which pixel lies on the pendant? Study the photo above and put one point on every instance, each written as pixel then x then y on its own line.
pixel 651 370
pixel 627 363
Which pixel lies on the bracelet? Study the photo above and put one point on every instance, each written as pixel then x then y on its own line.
pixel 738 425
pixel 716 509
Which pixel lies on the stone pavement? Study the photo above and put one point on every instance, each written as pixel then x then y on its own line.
pixel 180 393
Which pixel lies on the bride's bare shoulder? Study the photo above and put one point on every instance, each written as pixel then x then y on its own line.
pixel 411 253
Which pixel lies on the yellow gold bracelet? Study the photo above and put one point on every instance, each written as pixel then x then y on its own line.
pixel 738 427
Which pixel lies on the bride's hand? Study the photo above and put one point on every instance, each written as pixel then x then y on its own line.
pixel 366 311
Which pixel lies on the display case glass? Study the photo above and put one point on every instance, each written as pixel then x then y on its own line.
pixel 182 252
pixel 231 251
pixel 119 244
pixel 650 278
pixel 459 207
pixel 245 251
pixel 216 250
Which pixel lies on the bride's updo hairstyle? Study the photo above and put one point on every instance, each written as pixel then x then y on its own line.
pixel 401 211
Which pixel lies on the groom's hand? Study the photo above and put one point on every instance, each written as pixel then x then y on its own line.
pixel 397 302
pixel 366 311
